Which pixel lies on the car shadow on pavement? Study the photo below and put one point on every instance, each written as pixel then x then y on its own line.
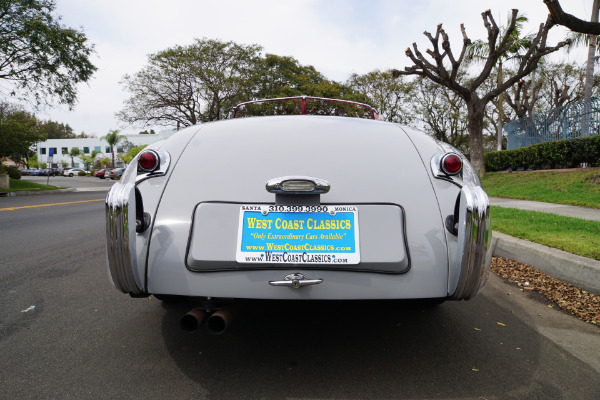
pixel 369 349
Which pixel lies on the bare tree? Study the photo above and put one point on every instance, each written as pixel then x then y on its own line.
pixel 445 75
pixel 522 97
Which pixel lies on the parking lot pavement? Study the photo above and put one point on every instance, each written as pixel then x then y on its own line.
pixel 77 183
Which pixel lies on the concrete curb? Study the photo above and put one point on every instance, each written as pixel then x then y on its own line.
pixel 579 271
pixel 35 192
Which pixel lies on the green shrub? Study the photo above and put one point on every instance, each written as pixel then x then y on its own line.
pixel 12 172
pixel 558 154
pixel 81 173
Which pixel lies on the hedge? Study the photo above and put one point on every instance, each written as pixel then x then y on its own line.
pixel 558 154
pixel 12 172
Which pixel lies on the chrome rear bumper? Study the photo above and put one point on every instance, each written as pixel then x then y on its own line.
pixel 474 243
pixel 120 238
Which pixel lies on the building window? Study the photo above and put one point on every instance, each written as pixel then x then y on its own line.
pixel 86 150
pixel 98 149
pixel 107 149
pixel 54 151
pixel 76 165
pixel 119 149
pixel 64 150
pixel 42 150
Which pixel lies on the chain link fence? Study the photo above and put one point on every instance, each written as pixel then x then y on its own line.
pixel 578 119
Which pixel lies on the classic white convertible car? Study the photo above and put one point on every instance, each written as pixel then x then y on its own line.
pixel 297 207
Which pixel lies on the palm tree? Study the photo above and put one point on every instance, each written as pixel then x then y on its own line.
pixel 479 50
pixel 74 153
pixel 591 41
pixel 112 138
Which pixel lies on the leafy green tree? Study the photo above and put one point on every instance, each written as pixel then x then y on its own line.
pixel 131 153
pixel 390 96
pixel 185 85
pixel 75 152
pixel 113 138
pixel 89 161
pixel 105 162
pixel 40 58
pixel 281 76
pixel 55 130
pixel 32 162
pixel 19 130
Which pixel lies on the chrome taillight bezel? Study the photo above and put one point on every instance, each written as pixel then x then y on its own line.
pixel 156 164
pixel 444 167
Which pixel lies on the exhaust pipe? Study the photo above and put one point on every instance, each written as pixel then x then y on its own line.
pixel 193 319
pixel 220 320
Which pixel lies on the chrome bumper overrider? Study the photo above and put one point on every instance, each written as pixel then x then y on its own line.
pixel 120 238
pixel 474 242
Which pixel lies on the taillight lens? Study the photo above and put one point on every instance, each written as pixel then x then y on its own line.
pixel 451 164
pixel 148 161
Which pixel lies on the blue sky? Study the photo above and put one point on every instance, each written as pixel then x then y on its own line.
pixel 337 37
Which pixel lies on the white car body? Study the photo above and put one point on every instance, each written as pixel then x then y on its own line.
pixel 419 233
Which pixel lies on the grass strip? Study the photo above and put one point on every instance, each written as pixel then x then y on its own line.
pixel 17 185
pixel 573 235
pixel 576 188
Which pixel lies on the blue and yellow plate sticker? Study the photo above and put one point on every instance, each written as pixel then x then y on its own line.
pixel 282 234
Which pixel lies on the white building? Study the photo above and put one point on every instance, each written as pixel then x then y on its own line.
pixel 62 147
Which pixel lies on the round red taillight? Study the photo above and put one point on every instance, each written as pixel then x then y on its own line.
pixel 451 164
pixel 148 161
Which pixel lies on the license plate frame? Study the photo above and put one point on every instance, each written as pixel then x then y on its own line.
pixel 297 235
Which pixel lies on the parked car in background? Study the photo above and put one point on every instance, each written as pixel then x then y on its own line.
pixel 116 173
pixel 99 174
pixel 63 169
pixel 107 173
pixel 297 207
pixel 73 171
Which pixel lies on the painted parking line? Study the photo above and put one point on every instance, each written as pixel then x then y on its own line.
pixel 49 205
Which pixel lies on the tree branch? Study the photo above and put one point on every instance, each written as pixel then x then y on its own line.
pixel 573 23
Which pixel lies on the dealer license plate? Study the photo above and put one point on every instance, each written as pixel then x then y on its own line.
pixel 276 234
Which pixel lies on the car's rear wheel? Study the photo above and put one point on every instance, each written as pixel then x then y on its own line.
pixel 71 175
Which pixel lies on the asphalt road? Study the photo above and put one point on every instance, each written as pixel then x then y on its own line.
pixel 86 340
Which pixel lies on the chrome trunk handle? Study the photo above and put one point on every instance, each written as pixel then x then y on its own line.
pixel 296 281
pixel 297 185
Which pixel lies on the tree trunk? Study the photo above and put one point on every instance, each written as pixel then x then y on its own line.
pixel 475 126
pixel 500 106
pixel 589 73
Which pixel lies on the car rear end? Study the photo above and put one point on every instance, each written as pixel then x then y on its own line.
pixel 239 210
